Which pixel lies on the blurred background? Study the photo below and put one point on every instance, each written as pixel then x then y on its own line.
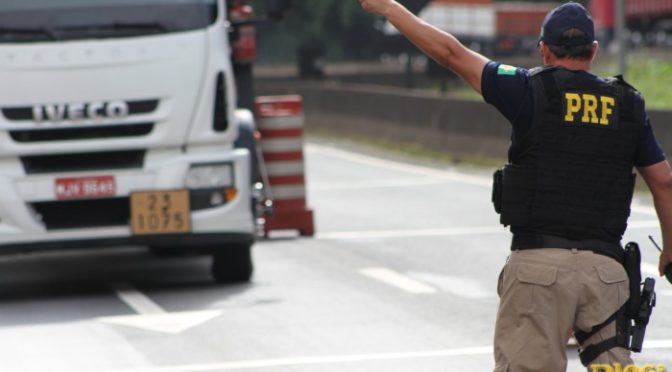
pixel 335 39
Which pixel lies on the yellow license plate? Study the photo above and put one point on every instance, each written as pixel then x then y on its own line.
pixel 160 212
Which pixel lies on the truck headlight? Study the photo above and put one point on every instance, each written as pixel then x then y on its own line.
pixel 209 176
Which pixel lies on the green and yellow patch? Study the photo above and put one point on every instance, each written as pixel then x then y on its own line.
pixel 506 70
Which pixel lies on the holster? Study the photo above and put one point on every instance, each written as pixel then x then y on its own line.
pixel 497 187
pixel 631 319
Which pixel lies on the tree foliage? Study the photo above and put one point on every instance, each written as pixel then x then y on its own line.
pixel 340 27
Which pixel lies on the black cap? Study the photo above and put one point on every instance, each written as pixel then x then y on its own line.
pixel 565 17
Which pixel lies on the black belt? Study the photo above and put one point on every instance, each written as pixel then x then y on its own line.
pixel 534 241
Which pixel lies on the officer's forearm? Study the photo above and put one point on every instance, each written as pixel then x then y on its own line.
pixel 662 199
pixel 439 45
pixel 663 202
pixel 659 179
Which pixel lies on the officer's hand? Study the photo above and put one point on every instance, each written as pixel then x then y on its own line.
pixel 376 6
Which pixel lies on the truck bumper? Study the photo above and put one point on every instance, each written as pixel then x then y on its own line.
pixel 25 224
pixel 201 243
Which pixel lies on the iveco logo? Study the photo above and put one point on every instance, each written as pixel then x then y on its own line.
pixel 80 111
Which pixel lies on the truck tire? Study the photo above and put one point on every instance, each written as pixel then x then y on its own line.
pixel 232 264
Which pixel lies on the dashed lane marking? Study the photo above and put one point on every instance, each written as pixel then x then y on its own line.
pixel 456 285
pixel 151 316
pixel 135 299
pixel 395 279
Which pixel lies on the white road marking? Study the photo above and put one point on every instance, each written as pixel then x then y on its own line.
pixel 382 234
pixel 456 285
pixel 136 300
pixel 400 167
pixel 170 323
pixel 316 360
pixel 151 316
pixel 666 293
pixel 397 280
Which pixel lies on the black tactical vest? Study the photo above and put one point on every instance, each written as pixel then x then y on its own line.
pixel 572 174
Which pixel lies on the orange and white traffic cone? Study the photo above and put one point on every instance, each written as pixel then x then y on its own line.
pixel 280 122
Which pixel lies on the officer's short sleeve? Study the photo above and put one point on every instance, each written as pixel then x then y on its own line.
pixel 649 151
pixel 508 89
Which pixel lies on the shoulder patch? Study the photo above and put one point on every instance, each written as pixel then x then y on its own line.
pixel 506 70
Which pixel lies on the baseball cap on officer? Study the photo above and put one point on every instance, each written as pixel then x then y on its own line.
pixel 565 17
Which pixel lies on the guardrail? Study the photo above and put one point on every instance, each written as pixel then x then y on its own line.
pixel 458 126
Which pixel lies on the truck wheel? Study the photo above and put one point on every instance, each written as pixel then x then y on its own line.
pixel 232 264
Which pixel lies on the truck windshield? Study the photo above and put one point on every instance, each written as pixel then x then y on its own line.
pixel 23 21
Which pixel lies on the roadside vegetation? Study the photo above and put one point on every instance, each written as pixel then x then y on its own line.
pixel 651 73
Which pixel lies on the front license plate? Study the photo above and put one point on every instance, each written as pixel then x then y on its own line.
pixel 160 212
pixel 84 187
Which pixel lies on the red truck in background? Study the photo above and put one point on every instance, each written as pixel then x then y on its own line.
pixel 649 21
pixel 495 28
pixel 512 27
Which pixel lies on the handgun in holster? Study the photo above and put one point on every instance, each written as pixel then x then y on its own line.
pixel 631 319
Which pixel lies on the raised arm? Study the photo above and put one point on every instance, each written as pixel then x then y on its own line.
pixel 441 46
pixel 659 179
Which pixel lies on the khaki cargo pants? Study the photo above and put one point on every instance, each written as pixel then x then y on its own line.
pixel 544 294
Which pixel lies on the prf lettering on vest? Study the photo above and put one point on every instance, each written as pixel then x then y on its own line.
pixel 590 108
pixel 631 368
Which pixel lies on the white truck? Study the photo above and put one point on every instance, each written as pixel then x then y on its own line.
pixel 117 127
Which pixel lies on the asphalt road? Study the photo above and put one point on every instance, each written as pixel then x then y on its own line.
pixel 400 277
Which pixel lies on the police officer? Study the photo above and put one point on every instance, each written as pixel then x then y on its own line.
pixel 566 191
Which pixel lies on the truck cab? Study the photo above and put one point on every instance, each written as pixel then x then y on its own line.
pixel 117 127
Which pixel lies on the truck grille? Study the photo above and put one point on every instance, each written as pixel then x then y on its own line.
pixel 51 133
pixel 134 108
pixel 36 164
pixel 69 134
pixel 58 215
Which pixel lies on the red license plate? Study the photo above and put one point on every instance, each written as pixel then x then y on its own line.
pixel 85 187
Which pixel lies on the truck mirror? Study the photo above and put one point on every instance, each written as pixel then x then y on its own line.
pixel 276 9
